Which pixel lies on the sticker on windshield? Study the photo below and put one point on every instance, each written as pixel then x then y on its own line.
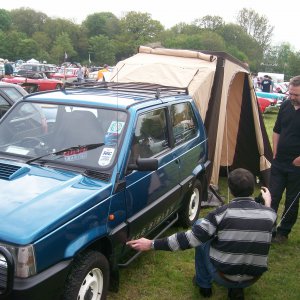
pixel 75 154
pixel 106 157
pixel 17 150
pixel 115 127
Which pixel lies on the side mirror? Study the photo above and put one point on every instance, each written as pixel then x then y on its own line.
pixel 144 164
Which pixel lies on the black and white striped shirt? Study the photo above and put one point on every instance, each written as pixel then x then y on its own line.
pixel 241 233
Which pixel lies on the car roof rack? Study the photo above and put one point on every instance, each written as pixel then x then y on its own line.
pixel 131 87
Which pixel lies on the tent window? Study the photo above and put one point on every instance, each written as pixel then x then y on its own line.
pixel 183 122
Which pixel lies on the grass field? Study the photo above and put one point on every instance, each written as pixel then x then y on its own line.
pixel 164 275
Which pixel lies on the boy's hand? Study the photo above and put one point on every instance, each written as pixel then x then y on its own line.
pixel 266 195
pixel 140 244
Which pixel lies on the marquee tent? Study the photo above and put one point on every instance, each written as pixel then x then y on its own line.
pixel 223 92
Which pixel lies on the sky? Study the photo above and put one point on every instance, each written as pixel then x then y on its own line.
pixel 284 17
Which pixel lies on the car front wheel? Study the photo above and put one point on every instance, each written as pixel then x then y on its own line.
pixel 89 277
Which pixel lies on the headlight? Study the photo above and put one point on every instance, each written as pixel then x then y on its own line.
pixel 24 258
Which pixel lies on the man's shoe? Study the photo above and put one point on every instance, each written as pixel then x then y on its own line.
pixel 204 292
pixel 279 239
pixel 236 294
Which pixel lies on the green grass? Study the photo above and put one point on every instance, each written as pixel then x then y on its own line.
pixel 165 275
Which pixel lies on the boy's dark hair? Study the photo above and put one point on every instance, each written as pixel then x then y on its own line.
pixel 241 183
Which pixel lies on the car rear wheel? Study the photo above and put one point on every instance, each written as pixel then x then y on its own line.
pixel 89 278
pixel 191 207
pixel 58 87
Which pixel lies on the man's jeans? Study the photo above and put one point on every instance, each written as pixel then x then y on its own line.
pixel 285 178
pixel 206 273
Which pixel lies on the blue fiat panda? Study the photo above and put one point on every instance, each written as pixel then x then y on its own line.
pixel 83 170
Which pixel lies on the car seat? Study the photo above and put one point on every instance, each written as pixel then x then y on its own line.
pixel 78 127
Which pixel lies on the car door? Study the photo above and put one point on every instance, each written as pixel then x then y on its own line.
pixel 151 196
pixel 189 146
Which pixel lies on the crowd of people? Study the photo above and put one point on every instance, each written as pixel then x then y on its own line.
pixel 232 242
pixel 265 83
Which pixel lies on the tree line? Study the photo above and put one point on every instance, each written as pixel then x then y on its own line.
pixel 102 38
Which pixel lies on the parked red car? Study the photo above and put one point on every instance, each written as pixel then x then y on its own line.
pixel 66 74
pixel 265 103
pixel 33 82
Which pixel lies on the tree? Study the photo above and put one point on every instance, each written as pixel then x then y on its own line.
pixel 256 26
pixel 140 27
pixel 104 23
pixel 206 40
pixel 28 20
pixel 102 49
pixel 5 20
pixel 184 28
pixel 277 59
pixel 293 65
pixel 62 45
pixel 10 44
pixel 55 27
pixel 210 22
pixel 27 48
pixel 238 41
pixel 42 39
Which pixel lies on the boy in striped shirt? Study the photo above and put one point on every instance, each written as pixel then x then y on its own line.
pixel 232 242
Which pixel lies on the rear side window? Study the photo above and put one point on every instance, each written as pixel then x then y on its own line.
pixel 13 93
pixel 150 137
pixel 183 122
pixel 4 106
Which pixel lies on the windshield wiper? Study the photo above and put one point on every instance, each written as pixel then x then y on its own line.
pixel 87 147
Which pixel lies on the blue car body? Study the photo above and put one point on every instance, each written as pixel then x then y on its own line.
pixel 62 206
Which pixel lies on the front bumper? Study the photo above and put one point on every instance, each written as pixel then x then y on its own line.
pixel 47 285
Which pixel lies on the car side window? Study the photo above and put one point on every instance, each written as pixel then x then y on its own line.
pixel 3 102
pixel 4 106
pixel 12 92
pixel 150 136
pixel 183 122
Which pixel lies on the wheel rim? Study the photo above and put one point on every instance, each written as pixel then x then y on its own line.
pixel 194 204
pixel 92 286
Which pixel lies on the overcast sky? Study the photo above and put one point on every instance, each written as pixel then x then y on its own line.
pixel 284 16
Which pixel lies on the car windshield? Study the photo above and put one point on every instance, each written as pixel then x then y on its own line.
pixel 33 130
pixel 67 71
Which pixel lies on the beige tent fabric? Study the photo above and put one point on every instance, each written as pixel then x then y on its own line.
pixel 189 72
pixel 232 118
pixel 264 162
pixel 196 71
pixel 224 149
pixel 177 53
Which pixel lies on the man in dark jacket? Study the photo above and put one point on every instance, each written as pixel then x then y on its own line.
pixel 266 84
pixel 285 169
pixel 8 69
pixel 232 242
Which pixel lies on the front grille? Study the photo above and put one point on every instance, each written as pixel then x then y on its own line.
pixel 7 268
pixel 3 274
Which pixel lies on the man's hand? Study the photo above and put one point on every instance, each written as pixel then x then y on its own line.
pixel 296 161
pixel 140 244
pixel 266 195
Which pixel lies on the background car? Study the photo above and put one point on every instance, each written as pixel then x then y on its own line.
pixel 277 98
pixel 66 74
pixel 30 67
pixel 265 103
pixel 35 81
pixel 9 94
